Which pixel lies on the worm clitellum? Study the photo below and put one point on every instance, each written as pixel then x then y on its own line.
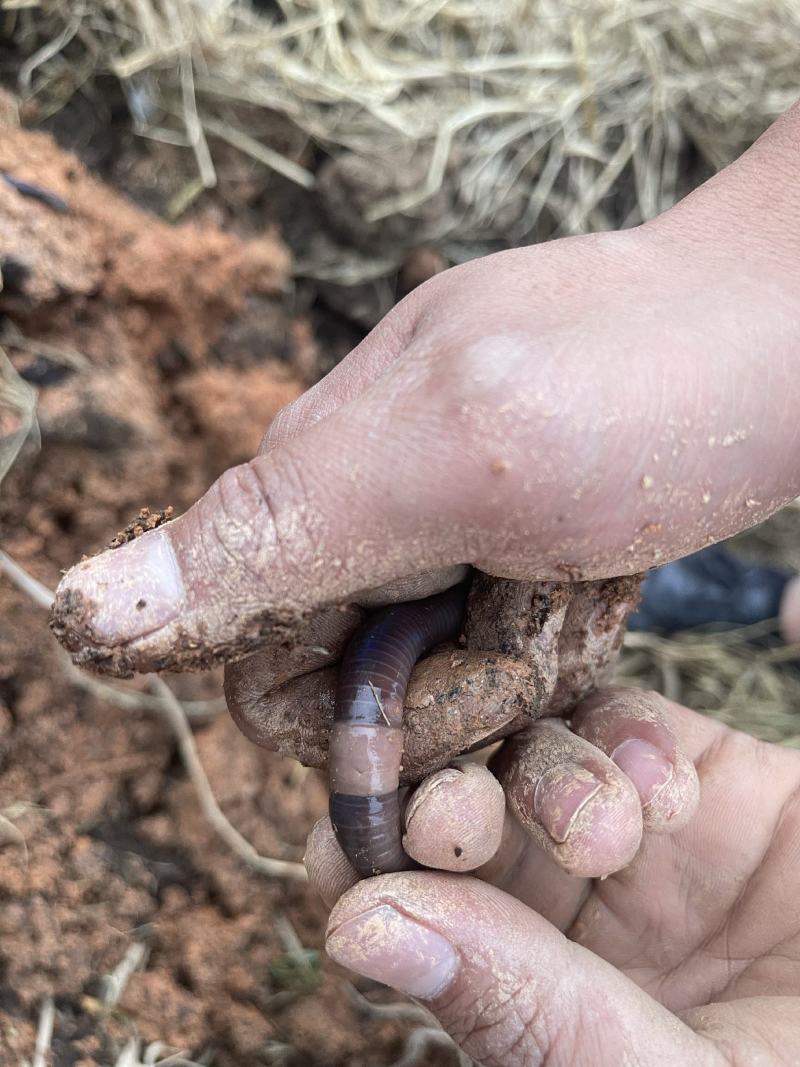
pixel 367 741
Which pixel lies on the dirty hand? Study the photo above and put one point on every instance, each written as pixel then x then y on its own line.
pixel 583 408
pixel 579 409
pixel 689 956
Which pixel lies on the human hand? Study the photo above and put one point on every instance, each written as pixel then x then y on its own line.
pixel 690 955
pixel 579 409
pixel 577 425
pixel 557 412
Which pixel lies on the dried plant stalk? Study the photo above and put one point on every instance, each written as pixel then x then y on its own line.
pixel 515 120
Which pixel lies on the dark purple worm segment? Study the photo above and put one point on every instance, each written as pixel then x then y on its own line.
pixel 366 748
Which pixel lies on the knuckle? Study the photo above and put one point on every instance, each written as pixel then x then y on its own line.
pixel 280 429
pixel 257 524
pixel 292 420
pixel 497 399
pixel 289 499
pixel 237 523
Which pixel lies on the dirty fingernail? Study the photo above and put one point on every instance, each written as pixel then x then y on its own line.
pixel 125 593
pixel 561 795
pixel 389 947
pixel 646 766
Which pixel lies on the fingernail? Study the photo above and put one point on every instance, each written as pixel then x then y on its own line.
pixel 130 591
pixel 390 948
pixel 561 795
pixel 646 766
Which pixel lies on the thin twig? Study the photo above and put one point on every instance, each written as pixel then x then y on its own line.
pixel 175 1059
pixel 135 700
pixel 401 1010
pixel 46 52
pixel 9 831
pixel 277 1053
pixel 38 593
pixel 420 1040
pixel 129 1057
pixel 44 1032
pixel 261 152
pixel 132 1056
pixel 174 714
pixel 427 1033
pixel 292 944
pixel 18 396
pixel 114 984
pixel 13 337
pixel 176 717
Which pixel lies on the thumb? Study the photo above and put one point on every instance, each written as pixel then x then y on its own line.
pixel 505 984
pixel 312 523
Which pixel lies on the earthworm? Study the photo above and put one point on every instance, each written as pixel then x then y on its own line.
pixel 366 748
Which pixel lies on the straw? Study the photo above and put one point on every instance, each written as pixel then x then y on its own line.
pixel 517 120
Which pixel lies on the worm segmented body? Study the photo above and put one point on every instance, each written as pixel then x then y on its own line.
pixel 367 741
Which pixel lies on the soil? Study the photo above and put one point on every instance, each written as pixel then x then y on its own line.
pixel 137 336
pixel 147 519
pixel 160 354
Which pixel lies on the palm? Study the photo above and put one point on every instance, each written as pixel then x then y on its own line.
pixel 689 955
pixel 711 913
pixel 724 922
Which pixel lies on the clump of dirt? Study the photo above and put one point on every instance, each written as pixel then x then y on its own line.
pixel 532 649
pixel 230 406
pixel 163 284
pixel 147 519
pixel 125 324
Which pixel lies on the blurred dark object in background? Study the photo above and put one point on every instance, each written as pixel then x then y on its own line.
pixel 712 586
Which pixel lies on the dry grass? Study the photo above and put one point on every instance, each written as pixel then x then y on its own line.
pixel 507 121
pixel 17 414
pixel 728 674
pixel 722 674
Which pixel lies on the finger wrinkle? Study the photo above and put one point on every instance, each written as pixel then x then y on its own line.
pixel 615 716
pixel 606 833
pixel 329 870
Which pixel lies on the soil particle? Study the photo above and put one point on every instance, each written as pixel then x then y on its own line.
pixel 147 519
pixel 71 611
